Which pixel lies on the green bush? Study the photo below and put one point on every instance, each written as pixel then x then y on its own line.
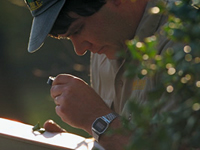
pixel 178 69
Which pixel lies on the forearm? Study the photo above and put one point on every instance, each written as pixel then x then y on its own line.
pixel 115 141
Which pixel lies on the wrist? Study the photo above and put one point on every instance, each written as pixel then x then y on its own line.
pixel 101 124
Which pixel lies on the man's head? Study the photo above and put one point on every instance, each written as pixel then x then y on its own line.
pixel 98 26
pixel 81 7
pixel 51 17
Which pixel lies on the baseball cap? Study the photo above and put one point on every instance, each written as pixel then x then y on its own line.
pixel 44 14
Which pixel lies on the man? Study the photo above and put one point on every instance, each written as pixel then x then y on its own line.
pixel 102 29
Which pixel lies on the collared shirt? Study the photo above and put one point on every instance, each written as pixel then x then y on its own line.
pixel 107 75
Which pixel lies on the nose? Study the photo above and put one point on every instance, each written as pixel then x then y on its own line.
pixel 80 46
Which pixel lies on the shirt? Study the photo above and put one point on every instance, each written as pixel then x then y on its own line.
pixel 107 75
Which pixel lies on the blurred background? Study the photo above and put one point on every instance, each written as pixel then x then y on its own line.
pixel 24 94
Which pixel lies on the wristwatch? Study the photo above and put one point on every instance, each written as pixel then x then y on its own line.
pixel 100 125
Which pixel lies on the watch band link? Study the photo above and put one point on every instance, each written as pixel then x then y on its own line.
pixel 111 116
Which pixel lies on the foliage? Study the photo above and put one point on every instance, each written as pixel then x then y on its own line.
pixel 177 71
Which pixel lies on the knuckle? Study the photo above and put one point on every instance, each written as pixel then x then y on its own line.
pixel 57 109
pixel 60 76
pixel 66 92
pixel 62 110
pixel 63 76
pixel 52 91
pixel 75 81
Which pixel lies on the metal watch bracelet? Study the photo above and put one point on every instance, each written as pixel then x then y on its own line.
pixel 101 124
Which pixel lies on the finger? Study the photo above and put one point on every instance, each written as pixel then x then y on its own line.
pixel 62 79
pixel 56 101
pixel 51 126
pixel 66 78
pixel 56 90
pixel 58 111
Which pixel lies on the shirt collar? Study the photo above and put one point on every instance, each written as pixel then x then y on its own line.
pixel 149 22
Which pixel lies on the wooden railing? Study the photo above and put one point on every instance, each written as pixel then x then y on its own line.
pixel 19 136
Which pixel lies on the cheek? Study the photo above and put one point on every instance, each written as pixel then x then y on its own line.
pixel 101 33
pixel 96 30
pixel 98 35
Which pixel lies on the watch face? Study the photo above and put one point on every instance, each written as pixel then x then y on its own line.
pixel 100 125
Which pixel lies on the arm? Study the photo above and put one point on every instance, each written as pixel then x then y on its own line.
pixel 115 141
pixel 79 105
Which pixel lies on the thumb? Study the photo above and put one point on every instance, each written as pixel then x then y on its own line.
pixel 51 126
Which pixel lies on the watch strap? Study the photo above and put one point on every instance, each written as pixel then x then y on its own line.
pixel 108 119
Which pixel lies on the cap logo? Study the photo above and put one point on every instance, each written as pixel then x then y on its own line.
pixel 34 4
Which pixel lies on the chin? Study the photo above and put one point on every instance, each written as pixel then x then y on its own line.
pixel 111 56
pixel 111 52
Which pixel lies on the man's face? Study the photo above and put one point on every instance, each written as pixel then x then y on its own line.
pixel 101 33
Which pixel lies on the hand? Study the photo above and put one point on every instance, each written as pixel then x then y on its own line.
pixel 76 102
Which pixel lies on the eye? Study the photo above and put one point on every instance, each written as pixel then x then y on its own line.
pixel 78 31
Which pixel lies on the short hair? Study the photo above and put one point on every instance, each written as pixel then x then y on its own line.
pixel 81 7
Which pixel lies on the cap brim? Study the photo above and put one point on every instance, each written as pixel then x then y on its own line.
pixel 42 25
